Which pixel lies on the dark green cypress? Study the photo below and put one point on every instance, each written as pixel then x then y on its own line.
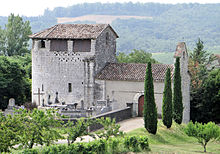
pixel 167 101
pixel 177 94
pixel 150 110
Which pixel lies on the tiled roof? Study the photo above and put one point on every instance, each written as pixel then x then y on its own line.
pixel 132 72
pixel 72 31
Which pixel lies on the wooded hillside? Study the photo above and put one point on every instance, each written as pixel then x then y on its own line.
pixel 167 25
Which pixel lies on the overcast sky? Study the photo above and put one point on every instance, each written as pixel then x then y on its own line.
pixel 37 7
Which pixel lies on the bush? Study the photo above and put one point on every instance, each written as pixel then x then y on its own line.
pixel 101 146
pixel 203 132
pixel 135 143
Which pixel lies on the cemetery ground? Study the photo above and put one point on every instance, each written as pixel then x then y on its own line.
pixel 172 140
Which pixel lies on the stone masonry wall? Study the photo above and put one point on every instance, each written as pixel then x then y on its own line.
pixel 185 85
pixel 55 70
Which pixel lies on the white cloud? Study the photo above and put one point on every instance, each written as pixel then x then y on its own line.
pixel 37 7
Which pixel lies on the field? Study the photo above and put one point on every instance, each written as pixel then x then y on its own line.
pixel 107 19
pixel 174 140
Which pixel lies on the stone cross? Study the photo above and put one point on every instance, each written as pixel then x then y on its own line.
pixel 38 93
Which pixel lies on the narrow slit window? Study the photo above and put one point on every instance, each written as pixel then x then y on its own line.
pixel 42 44
pixel 70 87
pixel 42 87
pixel 107 38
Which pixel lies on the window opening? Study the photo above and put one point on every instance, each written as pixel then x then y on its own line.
pixel 70 87
pixel 42 44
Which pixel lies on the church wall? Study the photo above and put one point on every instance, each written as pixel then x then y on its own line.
pixel 185 87
pixel 124 92
pixel 105 48
pixel 53 71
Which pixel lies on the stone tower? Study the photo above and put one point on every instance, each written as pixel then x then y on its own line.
pixel 65 60
pixel 181 51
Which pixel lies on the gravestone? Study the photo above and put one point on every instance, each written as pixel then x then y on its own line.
pixel 11 103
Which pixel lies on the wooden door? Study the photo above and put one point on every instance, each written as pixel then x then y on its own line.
pixel 140 106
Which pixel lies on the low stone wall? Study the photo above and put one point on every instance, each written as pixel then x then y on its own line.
pixel 119 115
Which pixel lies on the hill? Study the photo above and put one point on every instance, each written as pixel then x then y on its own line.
pixel 152 27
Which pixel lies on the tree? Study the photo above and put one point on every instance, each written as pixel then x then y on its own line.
pixel 110 128
pixel 177 94
pixel 203 89
pixel 77 129
pixel 150 110
pixel 13 82
pixel 14 40
pixel 198 62
pixel 203 132
pixel 38 127
pixel 167 101
pixel 205 100
pixel 136 56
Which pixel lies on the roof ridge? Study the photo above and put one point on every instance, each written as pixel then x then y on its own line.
pixel 52 29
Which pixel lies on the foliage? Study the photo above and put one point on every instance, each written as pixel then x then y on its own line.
pixel 8 132
pixel 77 129
pixel 173 139
pixel 136 56
pixel 13 82
pixel 110 128
pixel 203 132
pixel 167 110
pixel 99 146
pixel 15 36
pixel 26 128
pixel 198 62
pixel 135 143
pixel 150 110
pixel 205 105
pixel 204 86
pixel 30 106
pixel 177 94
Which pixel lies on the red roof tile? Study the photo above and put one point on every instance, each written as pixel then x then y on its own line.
pixel 71 31
pixel 132 72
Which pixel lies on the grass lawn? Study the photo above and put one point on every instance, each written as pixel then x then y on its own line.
pixel 174 140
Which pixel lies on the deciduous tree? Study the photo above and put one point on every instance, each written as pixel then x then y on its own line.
pixel 14 39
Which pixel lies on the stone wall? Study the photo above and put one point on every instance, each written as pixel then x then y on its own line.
pixel 126 91
pixel 56 71
pixel 119 115
pixel 185 85
pixel 105 48
pixel 52 71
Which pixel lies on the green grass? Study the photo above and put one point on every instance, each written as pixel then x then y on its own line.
pixel 174 140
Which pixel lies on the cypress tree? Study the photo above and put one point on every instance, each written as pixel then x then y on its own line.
pixel 150 110
pixel 167 101
pixel 177 94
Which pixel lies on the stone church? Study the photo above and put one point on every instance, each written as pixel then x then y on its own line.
pixel 75 63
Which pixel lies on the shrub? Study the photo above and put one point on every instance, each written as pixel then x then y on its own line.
pixel 76 130
pixel 203 132
pixel 135 143
pixel 110 128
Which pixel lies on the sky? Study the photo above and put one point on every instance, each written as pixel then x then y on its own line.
pixel 37 7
